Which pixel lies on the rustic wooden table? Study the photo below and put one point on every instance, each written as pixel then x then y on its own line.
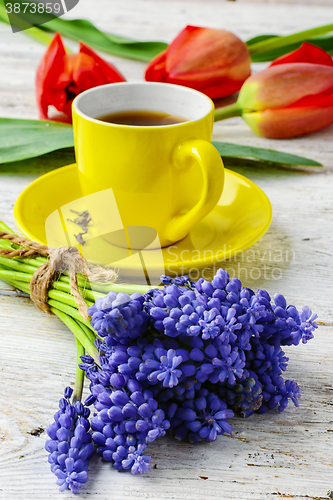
pixel 289 454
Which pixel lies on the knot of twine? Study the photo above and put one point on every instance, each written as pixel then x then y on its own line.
pixel 61 260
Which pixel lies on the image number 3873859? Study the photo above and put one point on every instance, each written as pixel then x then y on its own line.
pixel 23 14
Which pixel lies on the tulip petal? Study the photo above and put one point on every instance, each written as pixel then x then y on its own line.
pixel 306 53
pixel 61 77
pixel 214 88
pixel 106 69
pixel 213 61
pixel 155 71
pixel 83 73
pixel 198 54
pixel 320 100
pixel 282 85
pixel 291 121
pixel 88 71
pixel 50 68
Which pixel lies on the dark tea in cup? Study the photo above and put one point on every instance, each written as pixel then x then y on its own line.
pixel 142 118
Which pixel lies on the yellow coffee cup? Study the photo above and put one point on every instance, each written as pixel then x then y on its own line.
pixel 164 178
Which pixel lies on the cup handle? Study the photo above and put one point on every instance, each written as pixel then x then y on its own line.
pixel 212 170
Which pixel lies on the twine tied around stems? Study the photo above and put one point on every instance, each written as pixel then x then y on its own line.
pixel 61 260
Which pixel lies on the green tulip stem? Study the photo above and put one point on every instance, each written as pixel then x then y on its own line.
pixel 282 41
pixel 227 112
pixel 79 374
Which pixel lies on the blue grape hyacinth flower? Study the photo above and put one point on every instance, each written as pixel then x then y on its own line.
pixel 182 358
pixel 165 369
pixel 136 461
pixel 70 446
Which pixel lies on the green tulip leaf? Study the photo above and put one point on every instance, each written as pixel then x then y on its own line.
pixel 262 48
pixel 265 44
pixel 324 42
pixel 22 139
pixel 83 30
pixel 259 38
pixel 227 149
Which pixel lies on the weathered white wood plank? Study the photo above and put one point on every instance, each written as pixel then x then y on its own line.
pixel 288 454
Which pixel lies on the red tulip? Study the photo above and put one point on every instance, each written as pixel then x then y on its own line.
pixel 292 97
pixel 61 77
pixel 213 61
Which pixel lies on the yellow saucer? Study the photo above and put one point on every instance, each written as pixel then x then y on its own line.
pixel 240 219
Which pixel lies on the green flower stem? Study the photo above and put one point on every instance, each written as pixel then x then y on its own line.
pixel 71 318
pixel 79 374
pixel 105 288
pixel 64 303
pixel 62 308
pixel 16 266
pixel 277 42
pixel 92 335
pixel 58 295
pixel 10 245
pixel 29 29
pixel 31 261
pixel 3 226
pixel 227 112
pixel 18 273
pixel 6 274
pixel 20 285
pixel 86 294
pixel 60 290
pixel 69 310
pixel 66 298
pixel 30 264
pixel 80 335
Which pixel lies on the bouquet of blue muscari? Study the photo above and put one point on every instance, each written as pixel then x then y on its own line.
pixel 178 359
pixel 182 360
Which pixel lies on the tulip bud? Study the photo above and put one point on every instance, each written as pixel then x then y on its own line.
pixel 292 97
pixel 61 77
pixel 216 62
